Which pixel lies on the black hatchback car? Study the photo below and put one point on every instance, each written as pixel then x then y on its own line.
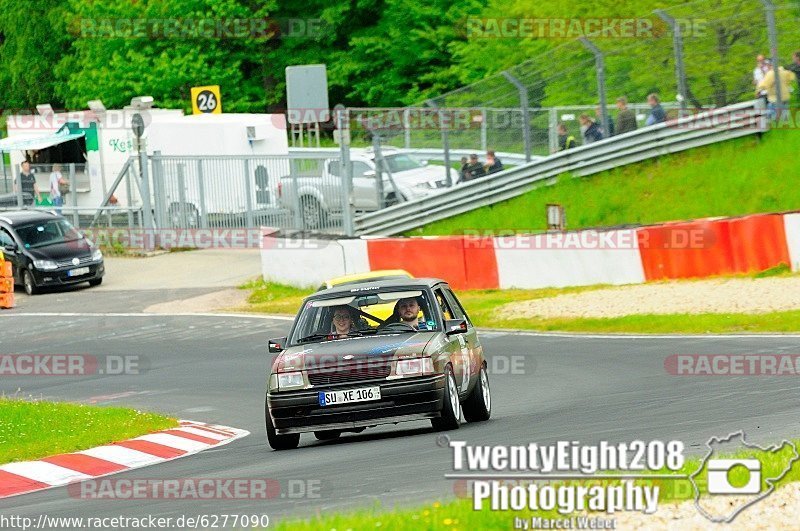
pixel 46 250
pixel 342 368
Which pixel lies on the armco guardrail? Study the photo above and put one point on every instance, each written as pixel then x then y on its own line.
pixel 437 154
pixel 673 136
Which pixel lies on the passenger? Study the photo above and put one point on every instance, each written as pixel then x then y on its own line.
pixel 343 321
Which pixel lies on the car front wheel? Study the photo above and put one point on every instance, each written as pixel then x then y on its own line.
pixel 478 406
pixel 29 284
pixel 279 442
pixel 450 418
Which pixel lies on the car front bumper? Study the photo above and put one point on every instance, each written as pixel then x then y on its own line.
pixel 60 277
pixel 401 400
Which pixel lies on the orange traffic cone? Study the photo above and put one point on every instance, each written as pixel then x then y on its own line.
pixel 5 270
pixel 6 300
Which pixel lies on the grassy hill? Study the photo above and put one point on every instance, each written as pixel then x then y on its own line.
pixel 742 176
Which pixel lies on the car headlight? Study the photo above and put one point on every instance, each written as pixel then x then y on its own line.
pixel 414 367
pixel 97 255
pixel 45 265
pixel 290 379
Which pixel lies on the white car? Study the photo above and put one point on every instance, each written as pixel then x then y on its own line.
pixel 319 196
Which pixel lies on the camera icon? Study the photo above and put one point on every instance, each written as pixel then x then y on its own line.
pixel 719 481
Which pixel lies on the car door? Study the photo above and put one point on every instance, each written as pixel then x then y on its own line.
pixel 456 345
pixel 471 337
pixel 14 257
pixel 365 194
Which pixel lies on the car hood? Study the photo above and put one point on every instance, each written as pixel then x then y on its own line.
pixel 352 351
pixel 431 174
pixel 61 251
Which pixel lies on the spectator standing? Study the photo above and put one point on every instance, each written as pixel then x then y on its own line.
pixel 56 182
pixel 462 174
pixel 626 119
pixel 657 114
pixel 28 183
pixel 591 131
pixel 474 168
pixel 609 131
pixel 565 140
pixel 768 84
pixel 759 72
pixel 794 66
pixel 493 164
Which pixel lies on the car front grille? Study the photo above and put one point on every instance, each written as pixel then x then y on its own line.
pixel 68 263
pixel 336 375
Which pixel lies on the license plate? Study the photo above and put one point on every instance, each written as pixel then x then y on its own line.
pixel 78 272
pixel 337 398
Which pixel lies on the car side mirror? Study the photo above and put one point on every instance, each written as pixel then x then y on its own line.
pixel 10 247
pixel 277 345
pixel 455 326
pixel 369 173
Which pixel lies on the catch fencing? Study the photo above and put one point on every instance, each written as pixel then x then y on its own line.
pixel 669 137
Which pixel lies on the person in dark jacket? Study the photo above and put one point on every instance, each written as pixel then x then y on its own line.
pixel 626 119
pixel 591 131
pixel 565 140
pixel 474 168
pixel 462 173
pixel 657 114
pixel 493 164
pixel 599 115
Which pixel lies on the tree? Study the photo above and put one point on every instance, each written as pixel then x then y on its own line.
pixel 180 43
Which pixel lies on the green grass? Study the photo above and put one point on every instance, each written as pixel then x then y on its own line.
pixel 742 176
pixel 459 514
pixel 270 297
pixel 35 429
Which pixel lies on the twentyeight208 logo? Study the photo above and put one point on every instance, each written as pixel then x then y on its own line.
pixel 579 481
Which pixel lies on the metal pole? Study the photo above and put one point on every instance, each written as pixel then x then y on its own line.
pixel 407 127
pixel 248 188
pixel 484 130
pixel 201 191
pixel 18 186
pixel 147 212
pixel 677 48
pixel 552 133
pixel 74 193
pixel 526 119
pixel 376 149
pixel 346 170
pixel 445 141
pixel 772 30
pixel 600 67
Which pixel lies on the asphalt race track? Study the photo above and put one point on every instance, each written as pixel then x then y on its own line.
pixel 212 369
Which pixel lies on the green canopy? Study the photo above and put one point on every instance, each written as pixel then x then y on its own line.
pixel 24 143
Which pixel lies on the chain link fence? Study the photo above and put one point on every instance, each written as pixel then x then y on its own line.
pixel 695 56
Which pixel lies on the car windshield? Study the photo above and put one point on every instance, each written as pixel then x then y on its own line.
pixel 390 310
pixel 49 232
pixel 401 162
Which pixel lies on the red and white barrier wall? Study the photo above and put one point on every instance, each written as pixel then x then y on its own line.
pixel 694 249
